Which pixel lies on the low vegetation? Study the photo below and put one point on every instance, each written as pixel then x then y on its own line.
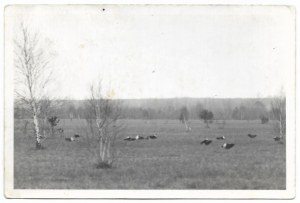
pixel 174 160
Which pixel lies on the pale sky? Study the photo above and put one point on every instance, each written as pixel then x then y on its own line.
pixel 165 51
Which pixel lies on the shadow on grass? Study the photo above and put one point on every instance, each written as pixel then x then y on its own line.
pixel 104 165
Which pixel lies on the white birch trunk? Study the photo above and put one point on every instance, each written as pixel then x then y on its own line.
pixel 103 150
pixel 100 148
pixel 108 152
pixel 280 125
pixel 187 127
pixel 37 130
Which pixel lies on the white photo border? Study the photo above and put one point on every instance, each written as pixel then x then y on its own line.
pixel 10 192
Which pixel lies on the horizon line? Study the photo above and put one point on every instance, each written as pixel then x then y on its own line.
pixel 166 98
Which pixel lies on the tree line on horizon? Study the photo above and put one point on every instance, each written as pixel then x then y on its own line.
pixel 224 109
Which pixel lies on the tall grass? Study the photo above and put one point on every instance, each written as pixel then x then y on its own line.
pixel 175 160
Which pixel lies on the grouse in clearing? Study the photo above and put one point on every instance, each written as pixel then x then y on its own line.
pixel 227 145
pixel 206 141
pixel 221 138
pixel 139 137
pixel 151 137
pixel 129 138
pixel 277 138
pixel 70 139
pixel 251 136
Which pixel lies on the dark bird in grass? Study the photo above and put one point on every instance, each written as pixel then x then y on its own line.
pixel 251 136
pixel 206 141
pixel 151 137
pixel 227 145
pixel 277 138
pixel 138 137
pixel 60 130
pixel 76 136
pixel 221 138
pixel 129 138
pixel 70 139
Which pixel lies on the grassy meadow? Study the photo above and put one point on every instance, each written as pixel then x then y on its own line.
pixel 176 160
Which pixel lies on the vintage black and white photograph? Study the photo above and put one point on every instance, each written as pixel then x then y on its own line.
pixel 184 99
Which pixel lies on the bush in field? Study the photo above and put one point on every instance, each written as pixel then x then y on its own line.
pixel 53 121
pixel 207 116
pixel 264 119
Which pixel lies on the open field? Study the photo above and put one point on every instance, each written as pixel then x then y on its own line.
pixel 175 160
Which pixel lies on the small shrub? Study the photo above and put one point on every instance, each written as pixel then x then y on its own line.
pixel 53 121
pixel 39 146
pixel 104 165
pixel 207 116
pixel 264 119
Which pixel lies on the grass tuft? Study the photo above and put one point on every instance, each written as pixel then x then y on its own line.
pixel 104 165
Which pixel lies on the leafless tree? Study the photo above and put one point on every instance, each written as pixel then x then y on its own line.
pixel 106 113
pixel 33 72
pixel 278 107
pixel 184 118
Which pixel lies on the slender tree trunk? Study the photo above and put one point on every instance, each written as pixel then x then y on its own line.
pixel 25 128
pixel 185 124
pixel 187 127
pixel 91 126
pixel 100 148
pixel 108 150
pixel 280 125
pixel 52 130
pixel 37 130
pixel 207 124
pixel 103 150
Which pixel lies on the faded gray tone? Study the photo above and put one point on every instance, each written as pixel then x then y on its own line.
pixel 178 52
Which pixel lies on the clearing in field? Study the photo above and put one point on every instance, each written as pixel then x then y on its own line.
pixel 175 160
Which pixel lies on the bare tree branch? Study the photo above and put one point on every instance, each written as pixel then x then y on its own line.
pixel 33 73
pixel 105 112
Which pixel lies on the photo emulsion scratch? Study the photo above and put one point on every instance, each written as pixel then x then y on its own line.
pixel 197 101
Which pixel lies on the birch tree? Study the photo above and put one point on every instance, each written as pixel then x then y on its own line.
pixel 106 112
pixel 32 75
pixel 278 107
pixel 184 118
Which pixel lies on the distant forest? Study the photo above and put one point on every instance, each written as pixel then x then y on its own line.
pixel 223 109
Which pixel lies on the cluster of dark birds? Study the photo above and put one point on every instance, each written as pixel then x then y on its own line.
pixel 225 145
pixel 73 138
pixel 230 145
pixel 276 138
pixel 154 136
pixel 138 137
